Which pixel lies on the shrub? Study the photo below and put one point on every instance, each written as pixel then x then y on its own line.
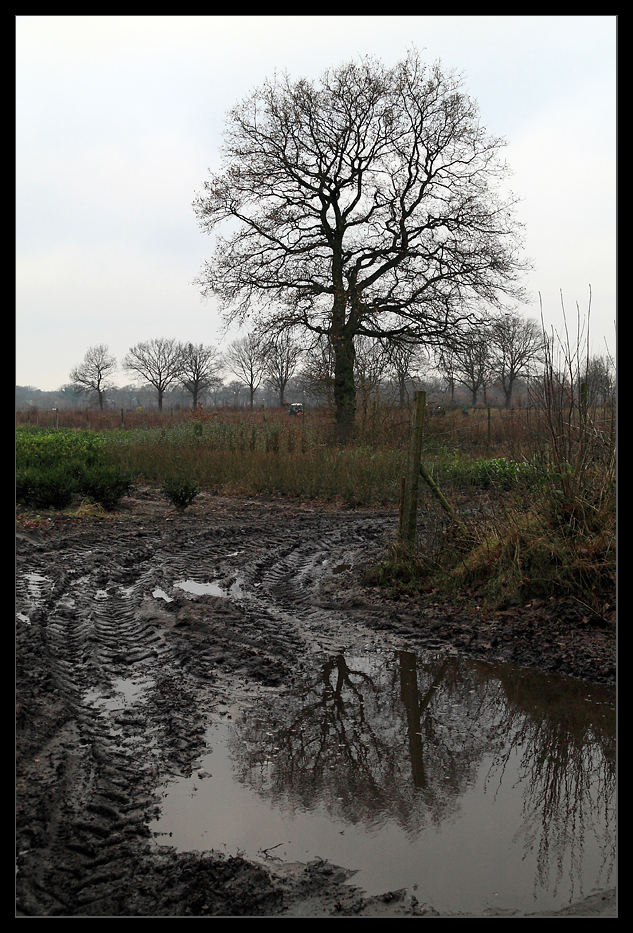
pixel 105 485
pixel 55 487
pixel 180 492
pixel 46 489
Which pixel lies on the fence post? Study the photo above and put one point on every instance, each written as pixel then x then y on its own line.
pixel 409 513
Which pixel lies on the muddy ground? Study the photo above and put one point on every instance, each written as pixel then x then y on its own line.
pixel 86 617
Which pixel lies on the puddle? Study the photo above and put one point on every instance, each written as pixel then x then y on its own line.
pixel 201 589
pixel 473 785
pixel 161 594
pixel 210 588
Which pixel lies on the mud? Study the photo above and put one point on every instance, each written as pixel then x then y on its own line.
pixel 119 669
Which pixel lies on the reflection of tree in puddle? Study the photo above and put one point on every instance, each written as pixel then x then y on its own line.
pixel 378 739
pixel 371 740
pixel 565 734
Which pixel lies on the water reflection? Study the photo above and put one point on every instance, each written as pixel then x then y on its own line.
pixel 483 784
pixel 373 741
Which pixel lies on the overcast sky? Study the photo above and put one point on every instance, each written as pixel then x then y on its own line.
pixel 119 119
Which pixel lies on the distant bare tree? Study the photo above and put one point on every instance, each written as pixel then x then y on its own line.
pixel 233 392
pixel 317 372
pixel 201 370
pixel 246 359
pixel 472 363
pixel 446 364
pixel 516 344
pixel 405 361
pixel 282 358
pixel 371 359
pixel 159 362
pixel 600 379
pixel 93 375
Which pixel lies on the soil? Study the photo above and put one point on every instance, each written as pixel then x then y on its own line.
pixel 90 613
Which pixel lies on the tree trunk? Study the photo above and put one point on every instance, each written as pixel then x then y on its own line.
pixel 344 387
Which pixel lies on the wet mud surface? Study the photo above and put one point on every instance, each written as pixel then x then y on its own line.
pixel 100 612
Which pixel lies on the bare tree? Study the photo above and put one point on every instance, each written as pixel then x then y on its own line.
pixel 516 344
pixel 472 364
pixel 93 375
pixel 158 362
pixel 282 359
pixel 405 361
pixel 362 205
pixel 201 369
pixel 600 380
pixel 246 359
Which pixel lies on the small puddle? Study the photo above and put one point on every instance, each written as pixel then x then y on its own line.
pixel 201 589
pixel 473 785
pixel 194 588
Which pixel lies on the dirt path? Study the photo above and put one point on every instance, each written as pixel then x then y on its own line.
pixel 98 608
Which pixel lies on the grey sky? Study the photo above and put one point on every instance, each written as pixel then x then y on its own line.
pixel 119 119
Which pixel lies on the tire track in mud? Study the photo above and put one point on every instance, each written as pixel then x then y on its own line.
pixel 275 581
pixel 293 584
pixel 132 665
pixel 98 649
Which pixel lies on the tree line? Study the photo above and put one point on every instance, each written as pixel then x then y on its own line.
pixel 481 370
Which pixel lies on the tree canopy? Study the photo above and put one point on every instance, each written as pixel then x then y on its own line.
pixel 365 204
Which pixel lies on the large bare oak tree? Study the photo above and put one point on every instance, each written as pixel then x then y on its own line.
pixel 365 204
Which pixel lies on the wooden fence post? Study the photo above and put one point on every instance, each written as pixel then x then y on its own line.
pixel 409 513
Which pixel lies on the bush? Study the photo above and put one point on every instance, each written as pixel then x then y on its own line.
pixel 57 486
pixel 46 489
pixel 105 485
pixel 180 492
